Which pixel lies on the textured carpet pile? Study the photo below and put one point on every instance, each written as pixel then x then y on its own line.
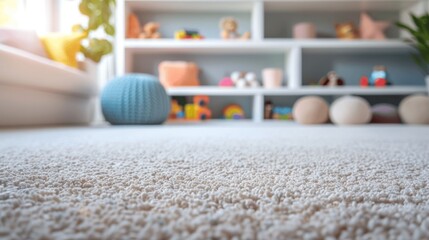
pixel 194 182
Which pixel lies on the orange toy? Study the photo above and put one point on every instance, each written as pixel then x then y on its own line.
pixel 201 107
pixel 133 30
pixel 178 74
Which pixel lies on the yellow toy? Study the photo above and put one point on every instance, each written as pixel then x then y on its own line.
pixel 233 111
pixel 198 110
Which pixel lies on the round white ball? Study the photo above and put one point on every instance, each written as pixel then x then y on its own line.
pixel 311 110
pixel 349 110
pixel 414 109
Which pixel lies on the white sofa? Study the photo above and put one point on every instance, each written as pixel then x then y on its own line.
pixel 37 91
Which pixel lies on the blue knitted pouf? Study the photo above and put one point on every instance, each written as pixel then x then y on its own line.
pixel 135 99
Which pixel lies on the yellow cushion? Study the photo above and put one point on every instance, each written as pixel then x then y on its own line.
pixel 63 47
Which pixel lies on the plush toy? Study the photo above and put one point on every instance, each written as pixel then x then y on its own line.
pixel 150 30
pixel 244 79
pixel 346 31
pixel 331 79
pixel 233 112
pixel 133 30
pixel 228 26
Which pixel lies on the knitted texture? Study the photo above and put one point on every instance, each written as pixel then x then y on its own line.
pixel 135 99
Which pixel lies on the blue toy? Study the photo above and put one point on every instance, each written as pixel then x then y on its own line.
pixel 282 113
pixel 135 99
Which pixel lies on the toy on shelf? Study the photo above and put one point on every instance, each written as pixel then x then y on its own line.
pixel 150 31
pixel 133 30
pixel 378 78
pixel 370 29
pixel 229 26
pixel 178 74
pixel 198 110
pixel 233 112
pixel 244 79
pixel 187 34
pixel 268 110
pixel 282 113
pixel 278 113
pixel 346 31
pixel 331 79
pixel 226 82
pixel 176 110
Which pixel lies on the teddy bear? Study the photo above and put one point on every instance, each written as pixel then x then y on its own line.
pixel 150 30
pixel 228 26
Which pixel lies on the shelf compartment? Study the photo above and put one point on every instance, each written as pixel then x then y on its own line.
pixel 400 67
pixel 217 103
pixel 280 24
pixel 213 67
pixel 203 17
pixel 190 5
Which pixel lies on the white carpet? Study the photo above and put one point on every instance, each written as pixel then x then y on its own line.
pixel 194 182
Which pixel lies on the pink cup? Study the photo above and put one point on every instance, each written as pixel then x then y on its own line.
pixel 272 77
pixel 304 30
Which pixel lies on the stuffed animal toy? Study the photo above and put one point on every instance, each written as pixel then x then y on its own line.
pixel 331 79
pixel 346 31
pixel 228 26
pixel 150 30
pixel 244 79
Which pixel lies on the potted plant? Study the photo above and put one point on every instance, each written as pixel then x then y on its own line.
pixel 420 39
pixel 98 29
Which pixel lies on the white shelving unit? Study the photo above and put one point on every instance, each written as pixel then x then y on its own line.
pixel 135 55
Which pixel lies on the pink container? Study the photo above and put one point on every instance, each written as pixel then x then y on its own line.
pixel 304 30
pixel 272 77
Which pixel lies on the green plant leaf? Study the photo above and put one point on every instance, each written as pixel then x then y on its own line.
pixel 99 14
pixel 109 29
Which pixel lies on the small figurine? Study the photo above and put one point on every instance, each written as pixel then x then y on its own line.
pixel 331 79
pixel 244 79
pixel 228 26
pixel 378 77
pixel 233 112
pixel 346 31
pixel 150 31
pixel 188 34
pixel 268 110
